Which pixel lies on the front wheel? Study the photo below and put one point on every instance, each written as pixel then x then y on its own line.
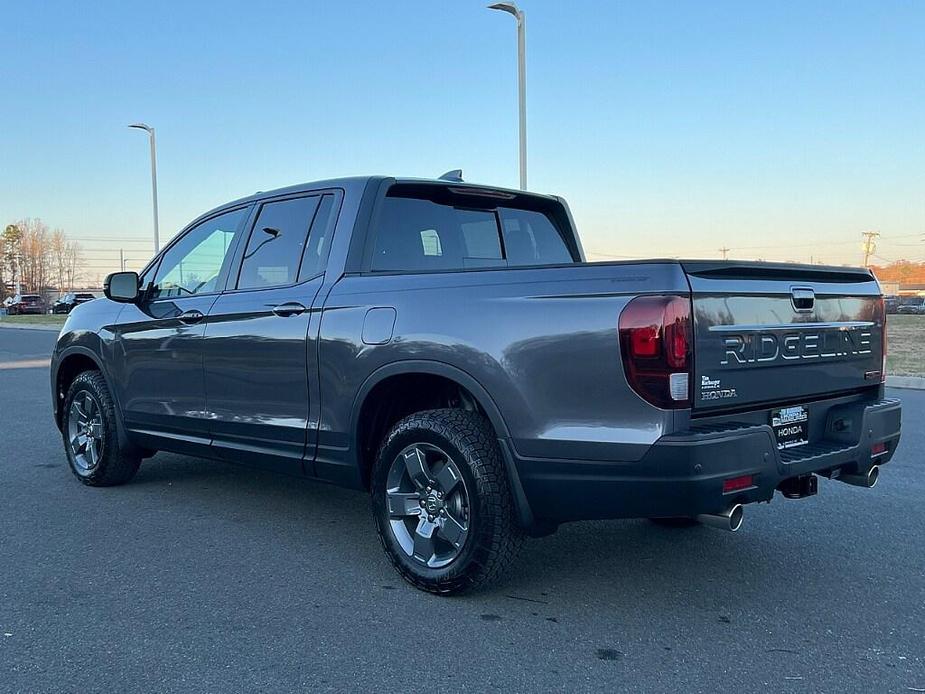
pixel 91 438
pixel 442 504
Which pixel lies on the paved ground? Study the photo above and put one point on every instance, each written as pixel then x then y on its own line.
pixel 200 576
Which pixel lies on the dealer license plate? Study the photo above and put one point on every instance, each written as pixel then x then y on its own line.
pixel 791 426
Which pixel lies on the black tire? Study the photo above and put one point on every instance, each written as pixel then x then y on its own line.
pixel 676 522
pixel 493 537
pixel 107 462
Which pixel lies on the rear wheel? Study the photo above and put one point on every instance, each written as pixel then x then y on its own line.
pixel 90 433
pixel 441 501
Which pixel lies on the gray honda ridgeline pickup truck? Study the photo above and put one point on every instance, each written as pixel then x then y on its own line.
pixel 446 347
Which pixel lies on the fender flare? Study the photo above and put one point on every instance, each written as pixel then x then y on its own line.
pixel 84 351
pixel 434 368
pixel 437 368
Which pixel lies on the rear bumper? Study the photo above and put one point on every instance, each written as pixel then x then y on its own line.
pixel 682 474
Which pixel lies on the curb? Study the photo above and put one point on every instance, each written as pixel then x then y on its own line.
pixel 912 382
pixel 33 326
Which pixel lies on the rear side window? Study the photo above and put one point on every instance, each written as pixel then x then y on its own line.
pixel 277 242
pixel 417 234
pixel 530 238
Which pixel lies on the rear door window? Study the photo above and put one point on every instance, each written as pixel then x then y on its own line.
pixel 319 238
pixel 277 242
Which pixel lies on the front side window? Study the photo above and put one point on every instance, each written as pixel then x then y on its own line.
pixel 277 242
pixel 193 264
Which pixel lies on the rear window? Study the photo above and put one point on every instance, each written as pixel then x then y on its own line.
pixel 417 234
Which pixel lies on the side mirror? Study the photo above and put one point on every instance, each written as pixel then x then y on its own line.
pixel 122 287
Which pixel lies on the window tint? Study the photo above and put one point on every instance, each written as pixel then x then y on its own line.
pixel 194 263
pixel 319 239
pixel 418 234
pixel 531 238
pixel 277 242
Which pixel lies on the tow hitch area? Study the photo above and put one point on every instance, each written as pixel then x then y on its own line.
pixel 799 487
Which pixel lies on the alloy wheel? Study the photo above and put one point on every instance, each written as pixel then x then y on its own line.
pixel 85 431
pixel 428 505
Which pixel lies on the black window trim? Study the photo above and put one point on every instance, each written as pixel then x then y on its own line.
pixel 231 281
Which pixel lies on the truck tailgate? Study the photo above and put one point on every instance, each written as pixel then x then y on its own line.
pixel 766 333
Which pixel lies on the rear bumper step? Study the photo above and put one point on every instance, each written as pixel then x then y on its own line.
pixel 683 474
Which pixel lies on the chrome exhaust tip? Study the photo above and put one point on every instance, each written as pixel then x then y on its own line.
pixel 868 479
pixel 729 520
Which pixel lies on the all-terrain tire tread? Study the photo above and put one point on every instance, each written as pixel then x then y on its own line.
pixel 118 464
pixel 497 547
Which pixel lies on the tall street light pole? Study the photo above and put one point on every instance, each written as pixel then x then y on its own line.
pixel 518 14
pixel 150 131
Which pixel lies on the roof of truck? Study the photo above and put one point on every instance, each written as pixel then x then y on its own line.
pixel 353 182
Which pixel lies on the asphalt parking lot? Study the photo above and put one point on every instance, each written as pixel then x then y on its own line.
pixel 200 576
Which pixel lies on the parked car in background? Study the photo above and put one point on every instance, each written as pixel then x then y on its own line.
pixel 891 303
pixel 66 303
pixel 23 304
pixel 913 306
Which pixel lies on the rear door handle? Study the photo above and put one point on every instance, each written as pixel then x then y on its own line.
pixel 290 308
pixel 191 317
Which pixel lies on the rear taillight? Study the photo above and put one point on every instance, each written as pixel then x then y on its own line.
pixel 655 343
pixel 883 339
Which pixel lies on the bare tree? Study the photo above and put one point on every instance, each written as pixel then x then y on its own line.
pixel 35 257
pixel 73 263
pixel 57 247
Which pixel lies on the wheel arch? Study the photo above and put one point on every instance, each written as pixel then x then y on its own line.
pixel 379 383
pixel 68 365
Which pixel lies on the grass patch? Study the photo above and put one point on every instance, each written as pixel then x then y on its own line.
pixel 906 351
pixel 34 320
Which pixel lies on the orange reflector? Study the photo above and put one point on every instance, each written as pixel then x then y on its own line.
pixel 734 484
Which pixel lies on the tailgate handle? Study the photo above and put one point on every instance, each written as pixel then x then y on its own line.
pixel 803 298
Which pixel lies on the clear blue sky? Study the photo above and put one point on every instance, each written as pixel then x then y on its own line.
pixel 673 128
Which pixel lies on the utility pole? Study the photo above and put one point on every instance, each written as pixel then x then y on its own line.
pixel 122 260
pixel 725 252
pixel 870 245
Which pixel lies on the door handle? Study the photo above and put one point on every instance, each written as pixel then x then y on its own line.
pixel 290 308
pixel 191 317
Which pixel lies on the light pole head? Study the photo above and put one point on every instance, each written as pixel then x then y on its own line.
pixel 142 126
pixel 508 7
